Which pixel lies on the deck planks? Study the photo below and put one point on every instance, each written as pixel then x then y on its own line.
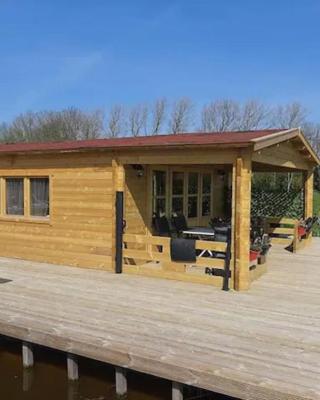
pixel 262 344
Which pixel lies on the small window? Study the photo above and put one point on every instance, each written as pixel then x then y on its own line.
pixel 39 197
pixel 14 196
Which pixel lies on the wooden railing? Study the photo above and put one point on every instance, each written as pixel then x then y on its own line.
pixel 151 254
pixel 287 227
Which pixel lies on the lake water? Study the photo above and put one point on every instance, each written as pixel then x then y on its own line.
pixel 47 379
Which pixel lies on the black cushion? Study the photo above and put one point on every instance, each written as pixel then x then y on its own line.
pixel 183 250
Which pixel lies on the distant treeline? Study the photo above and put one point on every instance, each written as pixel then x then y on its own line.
pixel 161 116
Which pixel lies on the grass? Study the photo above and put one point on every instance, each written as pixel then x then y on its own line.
pixel 316 211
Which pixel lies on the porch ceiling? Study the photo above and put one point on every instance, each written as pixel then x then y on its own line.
pixel 261 167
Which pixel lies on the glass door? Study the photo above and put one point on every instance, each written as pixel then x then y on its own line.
pixel 193 199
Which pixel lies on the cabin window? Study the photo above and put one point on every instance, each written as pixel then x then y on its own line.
pixel 159 192
pixel 39 197
pixel 206 195
pixel 25 198
pixel 14 196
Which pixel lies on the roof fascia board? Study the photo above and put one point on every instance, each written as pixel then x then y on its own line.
pixel 309 147
pixel 130 148
pixel 274 138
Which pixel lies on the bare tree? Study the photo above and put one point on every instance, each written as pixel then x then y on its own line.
pixel 220 116
pixel 92 124
pixel 70 123
pixel 254 115
pixel 137 120
pixel 43 126
pixel 158 115
pixel 181 115
pixel 23 127
pixel 3 132
pixel 115 121
pixel 291 115
pixel 312 132
pixel 288 116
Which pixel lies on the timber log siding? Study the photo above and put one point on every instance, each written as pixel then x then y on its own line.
pixel 79 229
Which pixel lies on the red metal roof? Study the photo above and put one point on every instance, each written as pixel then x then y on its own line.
pixel 239 138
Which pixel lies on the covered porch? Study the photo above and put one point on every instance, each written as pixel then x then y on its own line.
pixel 206 185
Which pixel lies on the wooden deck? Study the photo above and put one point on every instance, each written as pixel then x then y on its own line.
pixel 261 345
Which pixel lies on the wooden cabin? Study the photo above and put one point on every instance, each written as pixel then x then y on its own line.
pixel 65 203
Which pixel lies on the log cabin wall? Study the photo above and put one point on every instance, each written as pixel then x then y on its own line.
pixel 136 200
pixel 78 231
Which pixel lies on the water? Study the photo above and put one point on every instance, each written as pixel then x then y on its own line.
pixel 48 380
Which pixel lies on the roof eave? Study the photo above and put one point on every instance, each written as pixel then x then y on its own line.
pixel 128 148
pixel 288 134
pixel 274 138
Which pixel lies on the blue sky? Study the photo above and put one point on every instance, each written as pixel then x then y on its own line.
pixel 92 54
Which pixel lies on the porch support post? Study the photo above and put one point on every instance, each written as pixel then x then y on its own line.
pixel 119 184
pixel 242 213
pixel 308 194
pixel 308 198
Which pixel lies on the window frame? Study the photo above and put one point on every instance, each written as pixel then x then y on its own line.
pixel 30 197
pixel 180 196
pixel 26 217
pixel 20 178
pixel 204 194
pixel 200 170
pixel 156 197
pixel 196 195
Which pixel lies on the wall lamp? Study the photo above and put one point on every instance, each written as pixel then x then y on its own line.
pixel 139 170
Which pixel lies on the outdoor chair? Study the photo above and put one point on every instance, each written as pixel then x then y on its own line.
pixel 217 222
pixel 161 225
pixel 179 223
pixel 305 227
